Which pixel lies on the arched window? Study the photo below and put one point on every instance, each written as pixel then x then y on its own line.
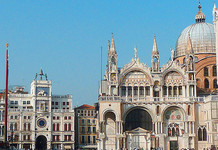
pixel 158 110
pixel 65 127
pixel 173 132
pixel 215 84
pixel 214 71
pixel 189 110
pixel 205 71
pixel 15 127
pixel 53 126
pixel 177 131
pixel 199 134
pixel 69 127
pixel 58 127
pixel 204 134
pixel 170 91
pixel 206 84
pixel 175 91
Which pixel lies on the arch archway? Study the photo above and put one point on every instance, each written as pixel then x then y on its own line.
pixel 138 118
pixel 41 143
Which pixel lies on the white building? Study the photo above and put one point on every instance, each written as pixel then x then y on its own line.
pixel 168 107
pixel 40 120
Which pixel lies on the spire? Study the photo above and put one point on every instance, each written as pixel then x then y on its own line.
pixel 214 7
pixel 112 42
pixel 155 50
pixel 200 17
pixel 112 47
pixel 189 46
pixel 214 12
pixel 135 49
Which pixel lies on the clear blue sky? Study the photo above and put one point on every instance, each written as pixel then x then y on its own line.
pixel 64 38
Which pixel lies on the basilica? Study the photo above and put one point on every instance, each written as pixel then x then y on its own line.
pixel 169 107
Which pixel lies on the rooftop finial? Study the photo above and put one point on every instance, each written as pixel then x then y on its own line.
pixel 200 17
pixel 155 50
pixel 135 49
pixel 112 43
pixel 199 5
pixel 41 74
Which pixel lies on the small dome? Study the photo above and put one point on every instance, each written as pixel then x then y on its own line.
pixel 202 37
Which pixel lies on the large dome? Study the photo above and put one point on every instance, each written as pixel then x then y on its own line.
pixel 202 37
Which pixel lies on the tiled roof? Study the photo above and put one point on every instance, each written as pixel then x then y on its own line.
pixel 85 106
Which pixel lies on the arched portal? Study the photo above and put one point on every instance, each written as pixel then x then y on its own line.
pixel 41 143
pixel 138 118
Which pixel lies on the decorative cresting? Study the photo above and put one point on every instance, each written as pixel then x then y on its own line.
pixel 200 17
pixel 202 35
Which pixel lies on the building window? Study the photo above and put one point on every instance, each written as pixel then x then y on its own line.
pixel 202 134
pixel 58 117
pixel 205 71
pixel 16 102
pixel 65 118
pixel 65 127
pixel 93 121
pixel 94 129
pixel 215 84
pixel 67 103
pixel 15 117
pixel 189 110
pixel 147 90
pixel 141 91
pixel 83 140
pixel 83 122
pixel 89 140
pixel 129 91
pixel 24 102
pixel 11 117
pixel 158 110
pixel 214 71
pixel 88 121
pixel 15 127
pixel 69 127
pixel 170 90
pixel 28 102
pixel 83 130
pixel 65 137
pixel 180 90
pixel 52 103
pixel 206 84
pixel 56 103
pixel 89 130
pixel 63 103
pixel 53 117
pixel 123 91
pixel 29 117
pixel 53 127
pixel 164 90
pixel 69 137
pixel 94 139
pixel 58 127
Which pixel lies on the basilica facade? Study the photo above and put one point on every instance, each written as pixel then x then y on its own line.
pixel 168 107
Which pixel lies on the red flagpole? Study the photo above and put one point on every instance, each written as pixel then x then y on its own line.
pixel 6 95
